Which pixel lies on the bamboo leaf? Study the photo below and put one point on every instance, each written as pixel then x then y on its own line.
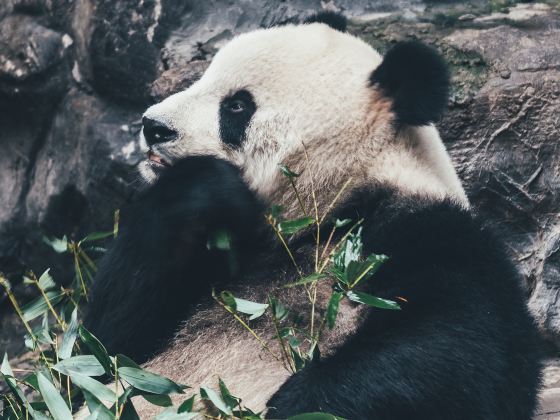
pixel 228 299
pixel 332 308
pixel 170 414
pixel 308 279
pixel 295 225
pixel 341 223
pixel 250 308
pixel 212 396
pixel 9 378
pixel 186 406
pixel 287 172
pixel 96 236
pixel 97 409
pixel 59 245
pixel 229 399
pixel 57 407
pixel 39 306
pixel 83 364
pixel 150 382
pixel 69 338
pixel 159 400
pixel 46 282
pixel 94 387
pixel 125 361
pixel 280 311
pixel 373 301
pixel 96 348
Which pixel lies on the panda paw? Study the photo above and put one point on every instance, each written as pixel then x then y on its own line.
pixel 197 192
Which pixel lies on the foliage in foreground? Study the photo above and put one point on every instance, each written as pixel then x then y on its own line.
pixel 68 358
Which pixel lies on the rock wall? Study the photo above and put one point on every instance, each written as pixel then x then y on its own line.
pixel 75 76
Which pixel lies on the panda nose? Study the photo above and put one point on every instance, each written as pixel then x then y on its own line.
pixel 156 131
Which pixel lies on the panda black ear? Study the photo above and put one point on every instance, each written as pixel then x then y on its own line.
pixel 333 19
pixel 416 78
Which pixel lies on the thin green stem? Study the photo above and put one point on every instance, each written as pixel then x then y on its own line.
pixel 79 270
pixel 293 184
pixel 272 223
pixel 335 199
pixel 17 308
pixel 289 360
pixel 46 299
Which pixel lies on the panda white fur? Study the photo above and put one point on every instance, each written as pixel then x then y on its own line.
pixel 462 347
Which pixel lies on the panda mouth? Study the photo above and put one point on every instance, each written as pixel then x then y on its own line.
pixel 157 160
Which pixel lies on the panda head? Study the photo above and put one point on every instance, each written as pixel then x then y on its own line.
pixel 310 96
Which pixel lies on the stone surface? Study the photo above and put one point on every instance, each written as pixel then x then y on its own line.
pixel 550 397
pixel 75 76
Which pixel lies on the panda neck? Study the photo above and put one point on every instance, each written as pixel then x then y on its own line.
pixel 329 174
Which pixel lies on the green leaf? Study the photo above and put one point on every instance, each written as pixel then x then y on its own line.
pixel 159 400
pixel 83 364
pixel 96 348
pixel 94 387
pixel 59 245
pixel 349 251
pixel 39 306
pixel 358 271
pixel 250 308
pixel 95 236
pixel 9 378
pixel 170 414
pixel 295 225
pixel 229 399
pixel 41 334
pixel 57 407
pixel 341 223
pixel 276 211
pixel 308 279
pixel 186 406
pixel 315 416
pixel 370 300
pixel 299 362
pixel 40 416
pixel 150 382
pixel 125 361
pixel 219 403
pixel 129 412
pixel 69 338
pixel 220 240
pixel 97 409
pixel 287 171
pixel 332 308
pixel 279 311
pixel 228 299
pixel 31 381
pixel 101 413
pixel 46 282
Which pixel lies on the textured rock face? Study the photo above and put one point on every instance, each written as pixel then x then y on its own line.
pixel 75 77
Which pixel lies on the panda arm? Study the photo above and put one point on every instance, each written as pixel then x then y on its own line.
pixel 449 351
pixel 160 263
pixel 418 368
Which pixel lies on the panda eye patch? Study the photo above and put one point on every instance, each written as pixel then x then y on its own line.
pixel 236 111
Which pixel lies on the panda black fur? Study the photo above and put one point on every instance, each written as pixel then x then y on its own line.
pixel 462 347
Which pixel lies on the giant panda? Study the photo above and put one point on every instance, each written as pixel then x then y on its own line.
pixel 328 106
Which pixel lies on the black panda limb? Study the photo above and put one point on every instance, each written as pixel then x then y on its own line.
pixel 463 346
pixel 160 263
